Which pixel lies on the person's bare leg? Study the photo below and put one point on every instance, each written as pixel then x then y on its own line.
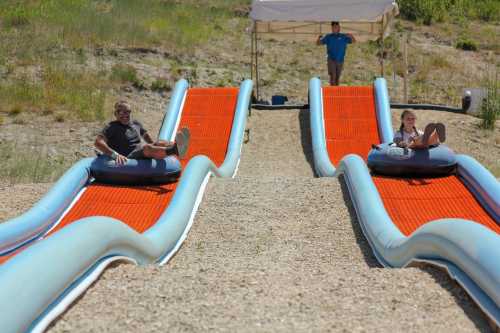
pixel 163 143
pixel 433 139
pixel 418 143
pixel 156 152
pixel 441 132
pixel 428 130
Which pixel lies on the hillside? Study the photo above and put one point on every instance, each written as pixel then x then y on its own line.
pixel 60 74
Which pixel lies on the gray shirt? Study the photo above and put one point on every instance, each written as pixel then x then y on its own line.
pixel 403 136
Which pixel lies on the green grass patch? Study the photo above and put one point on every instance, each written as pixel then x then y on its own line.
pixel 431 11
pixel 29 165
pixel 466 44
pixel 160 84
pixel 181 25
pixel 126 74
pixel 80 94
pixel 490 109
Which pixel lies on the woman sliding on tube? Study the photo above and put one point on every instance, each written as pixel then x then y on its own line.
pixel 409 136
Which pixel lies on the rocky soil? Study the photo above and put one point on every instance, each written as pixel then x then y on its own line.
pixel 272 250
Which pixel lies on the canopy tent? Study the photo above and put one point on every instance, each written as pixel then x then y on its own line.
pixel 366 19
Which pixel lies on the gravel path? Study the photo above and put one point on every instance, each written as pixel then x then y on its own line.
pixel 273 250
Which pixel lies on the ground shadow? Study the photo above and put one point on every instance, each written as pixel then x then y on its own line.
pixel 363 244
pixel 305 137
pixel 459 295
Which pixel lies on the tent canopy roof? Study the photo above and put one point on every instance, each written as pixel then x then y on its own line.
pixel 321 10
pixel 369 18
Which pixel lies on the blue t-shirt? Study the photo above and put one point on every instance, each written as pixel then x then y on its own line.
pixel 336 45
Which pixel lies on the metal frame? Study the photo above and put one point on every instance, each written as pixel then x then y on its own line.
pixel 254 56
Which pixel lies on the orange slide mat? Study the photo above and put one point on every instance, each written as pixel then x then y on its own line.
pixel 209 114
pixel 351 127
pixel 414 202
pixel 350 121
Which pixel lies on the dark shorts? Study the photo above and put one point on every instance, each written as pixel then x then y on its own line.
pixel 137 153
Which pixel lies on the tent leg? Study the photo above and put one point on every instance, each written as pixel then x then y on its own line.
pixel 251 54
pixel 256 65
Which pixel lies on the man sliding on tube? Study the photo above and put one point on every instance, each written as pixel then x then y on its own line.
pixel 123 138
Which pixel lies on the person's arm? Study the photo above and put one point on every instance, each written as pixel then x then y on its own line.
pixel 147 138
pixel 351 36
pixel 101 144
pixel 319 41
pixel 398 140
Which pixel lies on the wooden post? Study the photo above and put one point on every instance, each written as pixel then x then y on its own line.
pixel 404 42
pixel 256 64
pixel 252 52
pixel 382 49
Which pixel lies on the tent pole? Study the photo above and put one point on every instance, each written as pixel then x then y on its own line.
pixel 256 65
pixel 252 51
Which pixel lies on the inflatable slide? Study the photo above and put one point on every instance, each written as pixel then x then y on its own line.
pixel 451 221
pixel 53 252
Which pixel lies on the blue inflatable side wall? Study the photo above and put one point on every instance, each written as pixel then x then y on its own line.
pixel 51 278
pixel 470 252
pixel 322 164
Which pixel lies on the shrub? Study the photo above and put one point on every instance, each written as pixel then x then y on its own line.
pixel 16 109
pixel 466 44
pixel 25 165
pixel 160 85
pixel 430 11
pixel 124 73
pixel 80 93
pixel 16 17
pixel 490 109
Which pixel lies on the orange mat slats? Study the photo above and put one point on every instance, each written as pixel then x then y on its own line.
pixel 350 121
pixel 209 115
pixel 139 207
pixel 414 202
pixel 351 127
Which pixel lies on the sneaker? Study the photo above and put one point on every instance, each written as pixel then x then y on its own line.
pixel 182 142
pixel 441 132
pixel 429 129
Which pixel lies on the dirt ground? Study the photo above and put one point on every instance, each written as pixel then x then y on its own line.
pixel 273 250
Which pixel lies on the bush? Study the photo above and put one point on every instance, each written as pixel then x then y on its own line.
pixel 425 11
pixel 79 93
pixel 430 11
pixel 466 44
pixel 29 165
pixel 490 109
pixel 160 85
pixel 16 17
pixel 127 74
pixel 124 74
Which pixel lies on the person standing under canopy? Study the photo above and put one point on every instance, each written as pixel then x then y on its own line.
pixel 336 46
